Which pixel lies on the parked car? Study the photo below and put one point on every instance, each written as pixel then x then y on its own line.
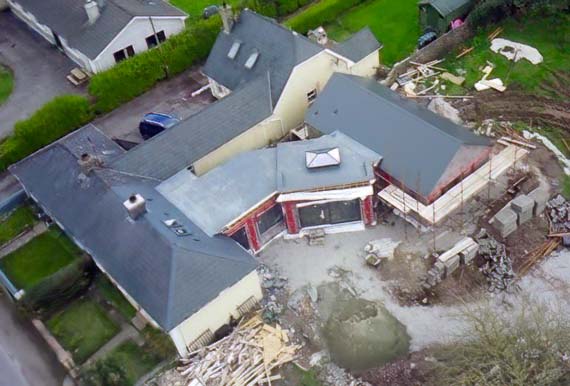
pixel 426 39
pixel 209 11
pixel 155 123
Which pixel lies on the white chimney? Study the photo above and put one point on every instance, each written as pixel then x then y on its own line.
pixel 135 205
pixel 92 10
pixel 227 16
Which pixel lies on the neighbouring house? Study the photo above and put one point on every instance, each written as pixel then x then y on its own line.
pixel 274 74
pixel 423 154
pixel 179 278
pixel 96 34
pixel 292 189
pixel 438 15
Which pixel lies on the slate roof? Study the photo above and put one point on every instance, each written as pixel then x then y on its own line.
pixel 280 50
pixel 358 46
pixel 169 276
pixel 178 147
pixel 418 147
pixel 446 7
pixel 68 19
pixel 250 178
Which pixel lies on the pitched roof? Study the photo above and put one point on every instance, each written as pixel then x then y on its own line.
pixel 358 46
pixel 170 276
pixel 445 7
pixel 279 48
pixel 178 147
pixel 68 19
pixel 250 178
pixel 417 146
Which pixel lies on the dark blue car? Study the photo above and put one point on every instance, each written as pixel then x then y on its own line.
pixel 155 123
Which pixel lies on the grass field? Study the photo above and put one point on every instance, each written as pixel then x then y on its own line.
pixel 134 360
pixel 82 328
pixel 394 23
pixel 6 83
pixel 14 224
pixel 550 36
pixel 115 297
pixel 194 8
pixel 38 259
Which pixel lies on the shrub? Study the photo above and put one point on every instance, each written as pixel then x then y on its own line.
pixel 322 13
pixel 53 120
pixel 105 373
pixel 134 76
pixel 492 11
pixel 275 8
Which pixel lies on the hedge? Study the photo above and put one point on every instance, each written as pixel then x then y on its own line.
pixel 133 77
pixel 324 12
pixel 492 11
pixel 53 120
pixel 275 8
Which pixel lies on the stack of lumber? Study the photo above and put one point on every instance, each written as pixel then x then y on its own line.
pixel 248 356
pixel 537 254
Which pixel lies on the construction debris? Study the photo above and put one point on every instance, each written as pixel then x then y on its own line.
pixel 536 255
pixel 458 80
pixel 516 51
pixel 248 356
pixel 559 215
pixel 464 52
pixel 445 109
pixel 498 267
pixel 495 33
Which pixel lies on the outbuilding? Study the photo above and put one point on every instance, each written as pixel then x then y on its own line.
pixel 438 14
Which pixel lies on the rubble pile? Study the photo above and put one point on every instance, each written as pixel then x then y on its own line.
pixel 250 355
pixel 559 213
pixel 498 267
pixel 274 286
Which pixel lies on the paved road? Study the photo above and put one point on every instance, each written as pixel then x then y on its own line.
pixel 172 97
pixel 25 359
pixel 39 70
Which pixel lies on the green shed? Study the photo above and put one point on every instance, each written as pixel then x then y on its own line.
pixel 438 14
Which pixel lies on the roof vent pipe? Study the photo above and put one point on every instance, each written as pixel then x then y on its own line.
pixel 92 11
pixel 227 16
pixel 135 205
pixel 87 163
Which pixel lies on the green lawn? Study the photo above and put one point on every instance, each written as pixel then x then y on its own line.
pixel 15 223
pixel 115 297
pixel 6 83
pixel 82 328
pixel 134 360
pixel 38 259
pixel 550 36
pixel 194 8
pixel 394 23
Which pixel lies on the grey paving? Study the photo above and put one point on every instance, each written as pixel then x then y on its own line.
pixel 39 71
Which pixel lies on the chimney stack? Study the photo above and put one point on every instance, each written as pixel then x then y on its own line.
pixel 135 205
pixel 227 17
pixel 92 10
pixel 87 163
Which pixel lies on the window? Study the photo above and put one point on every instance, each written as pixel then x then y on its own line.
pixel 124 53
pixel 154 40
pixel 250 62
pixel 269 219
pixel 241 238
pixel 336 212
pixel 312 95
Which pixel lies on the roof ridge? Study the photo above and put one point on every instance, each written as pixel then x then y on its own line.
pixel 414 116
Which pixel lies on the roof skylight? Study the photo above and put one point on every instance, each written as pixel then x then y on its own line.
pixel 250 62
pixel 322 158
pixel 234 50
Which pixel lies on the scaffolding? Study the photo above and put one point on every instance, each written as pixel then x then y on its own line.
pixel 455 197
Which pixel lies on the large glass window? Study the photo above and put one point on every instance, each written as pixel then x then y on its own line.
pixel 337 212
pixel 269 219
pixel 241 237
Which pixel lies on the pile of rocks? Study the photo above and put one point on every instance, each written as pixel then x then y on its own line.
pixel 274 286
pixel 498 267
pixel 559 213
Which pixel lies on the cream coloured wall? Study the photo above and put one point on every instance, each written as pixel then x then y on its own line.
pixel 216 313
pixel 31 21
pixel 367 66
pixel 267 131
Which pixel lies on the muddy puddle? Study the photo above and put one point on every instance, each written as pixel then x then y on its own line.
pixel 359 334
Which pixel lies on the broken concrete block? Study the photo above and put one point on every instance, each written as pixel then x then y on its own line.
pixel 540 197
pixel 468 254
pixel 451 264
pixel 505 221
pixel 523 206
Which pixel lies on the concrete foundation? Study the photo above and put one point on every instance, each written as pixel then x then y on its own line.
pixel 505 221
pixel 540 198
pixel 523 206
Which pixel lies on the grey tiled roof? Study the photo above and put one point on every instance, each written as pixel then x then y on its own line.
pixel 358 46
pixel 248 179
pixel 280 50
pixel 445 7
pixel 177 148
pixel 68 19
pixel 417 146
pixel 170 276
